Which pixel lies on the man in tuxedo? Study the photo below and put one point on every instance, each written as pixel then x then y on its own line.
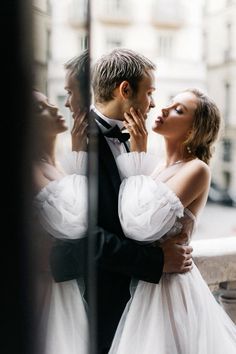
pixel 121 79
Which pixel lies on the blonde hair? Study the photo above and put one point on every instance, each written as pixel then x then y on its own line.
pixel 206 127
pixel 119 65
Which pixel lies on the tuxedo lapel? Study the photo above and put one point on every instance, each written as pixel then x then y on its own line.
pixel 106 159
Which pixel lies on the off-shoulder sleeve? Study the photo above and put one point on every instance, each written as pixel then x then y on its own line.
pixel 62 207
pixel 136 163
pixel 75 162
pixel 147 209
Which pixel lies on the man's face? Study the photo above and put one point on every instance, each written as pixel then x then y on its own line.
pixel 74 99
pixel 143 99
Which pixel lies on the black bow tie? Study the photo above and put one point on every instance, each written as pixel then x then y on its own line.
pixel 115 132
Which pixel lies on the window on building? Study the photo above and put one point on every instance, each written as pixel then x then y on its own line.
pixel 228 48
pixel 48 45
pixel 205 46
pixel 227 102
pixel 165 45
pixel 49 7
pixel 83 42
pixel 229 2
pixel 227 150
pixel 227 179
pixel 114 40
pixel 78 10
pixel 115 6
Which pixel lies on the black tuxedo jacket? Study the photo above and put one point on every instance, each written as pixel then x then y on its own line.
pixel 117 258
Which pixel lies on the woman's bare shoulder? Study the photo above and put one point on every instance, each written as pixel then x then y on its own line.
pixel 39 179
pixel 198 167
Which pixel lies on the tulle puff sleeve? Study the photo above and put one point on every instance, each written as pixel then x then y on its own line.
pixel 75 163
pixel 62 207
pixel 147 209
pixel 136 163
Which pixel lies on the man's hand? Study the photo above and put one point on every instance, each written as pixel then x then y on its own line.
pixel 177 255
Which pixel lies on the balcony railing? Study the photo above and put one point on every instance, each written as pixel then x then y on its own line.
pixel 115 12
pixel 77 13
pixel 216 260
pixel 168 13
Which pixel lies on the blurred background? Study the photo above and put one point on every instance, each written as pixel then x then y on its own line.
pixel 193 44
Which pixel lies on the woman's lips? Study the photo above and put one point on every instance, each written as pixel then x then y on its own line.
pixel 159 119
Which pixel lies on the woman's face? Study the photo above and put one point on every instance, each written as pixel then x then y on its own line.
pixel 176 119
pixel 48 118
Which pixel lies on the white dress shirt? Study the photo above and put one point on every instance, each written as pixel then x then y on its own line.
pixel 115 145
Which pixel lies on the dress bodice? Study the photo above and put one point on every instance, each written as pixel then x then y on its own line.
pixel 187 222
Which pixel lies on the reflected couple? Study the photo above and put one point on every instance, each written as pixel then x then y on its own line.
pixel 60 204
pixel 149 292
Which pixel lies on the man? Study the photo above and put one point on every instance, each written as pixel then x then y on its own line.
pixel 121 79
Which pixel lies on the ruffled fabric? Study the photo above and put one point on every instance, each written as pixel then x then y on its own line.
pixel 67 326
pixel 62 207
pixel 147 209
pixel 177 316
pixel 136 163
pixel 75 163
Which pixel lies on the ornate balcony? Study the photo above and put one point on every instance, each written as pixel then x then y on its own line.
pixel 77 13
pixel 168 13
pixel 216 260
pixel 118 12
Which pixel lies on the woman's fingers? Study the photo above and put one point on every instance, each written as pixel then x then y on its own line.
pixel 135 119
pixel 80 124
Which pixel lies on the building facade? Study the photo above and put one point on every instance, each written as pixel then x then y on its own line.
pixel 41 42
pixel 219 33
pixel 167 31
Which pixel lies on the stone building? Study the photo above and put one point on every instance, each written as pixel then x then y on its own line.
pixel 41 42
pixel 220 55
pixel 167 31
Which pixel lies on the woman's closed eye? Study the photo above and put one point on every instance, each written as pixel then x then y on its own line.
pixel 39 107
pixel 179 110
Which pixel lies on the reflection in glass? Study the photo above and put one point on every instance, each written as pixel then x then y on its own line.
pixel 60 199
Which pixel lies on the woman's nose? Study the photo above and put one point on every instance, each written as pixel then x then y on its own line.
pixel 54 109
pixel 165 112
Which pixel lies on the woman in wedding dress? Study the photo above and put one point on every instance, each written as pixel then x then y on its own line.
pixel 60 203
pixel 179 315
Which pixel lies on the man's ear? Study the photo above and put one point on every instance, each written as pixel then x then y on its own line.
pixel 125 89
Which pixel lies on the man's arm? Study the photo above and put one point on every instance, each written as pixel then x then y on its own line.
pixel 68 259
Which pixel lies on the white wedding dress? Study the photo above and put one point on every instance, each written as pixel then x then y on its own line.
pixel 61 208
pixel 179 315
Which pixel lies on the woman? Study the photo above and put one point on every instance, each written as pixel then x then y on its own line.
pixel 60 203
pixel 179 315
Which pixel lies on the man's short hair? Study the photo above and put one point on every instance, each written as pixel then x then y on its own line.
pixel 80 68
pixel 117 66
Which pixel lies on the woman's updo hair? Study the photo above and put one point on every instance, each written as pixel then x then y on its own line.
pixel 206 127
